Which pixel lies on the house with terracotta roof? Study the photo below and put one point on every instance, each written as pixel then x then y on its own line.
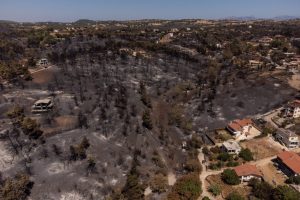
pixel 289 163
pixel 292 109
pixel 246 172
pixel 242 127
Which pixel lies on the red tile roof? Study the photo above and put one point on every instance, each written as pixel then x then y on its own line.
pixel 238 125
pixel 291 160
pixel 247 170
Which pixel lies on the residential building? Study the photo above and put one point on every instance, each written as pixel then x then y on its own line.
pixel 292 109
pixel 231 147
pixel 265 41
pixel 255 64
pixel 43 105
pixel 289 163
pixel 288 138
pixel 43 62
pixel 246 172
pixel 242 127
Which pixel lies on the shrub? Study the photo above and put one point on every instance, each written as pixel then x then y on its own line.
pixel 230 177
pixel 215 190
pixel 193 165
pixel 205 150
pixel 232 164
pixel 187 187
pixel 31 128
pixel 293 180
pixel 215 149
pixel 17 188
pixel 16 112
pixel 159 183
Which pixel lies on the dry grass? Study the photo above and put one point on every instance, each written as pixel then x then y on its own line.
pixel 61 123
pixel 261 148
pixel 43 77
pixel 272 175
pixel 242 189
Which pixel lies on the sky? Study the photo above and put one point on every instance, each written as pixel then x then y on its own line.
pixel 72 10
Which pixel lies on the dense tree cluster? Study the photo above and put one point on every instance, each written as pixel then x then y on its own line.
pixel 265 191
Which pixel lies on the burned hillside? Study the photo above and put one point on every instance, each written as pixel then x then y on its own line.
pixel 128 106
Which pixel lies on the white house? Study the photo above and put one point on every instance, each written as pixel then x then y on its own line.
pixel 288 138
pixel 292 109
pixel 43 62
pixel 246 172
pixel 42 105
pixel 231 147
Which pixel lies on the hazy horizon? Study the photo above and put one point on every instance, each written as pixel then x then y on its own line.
pixel 70 11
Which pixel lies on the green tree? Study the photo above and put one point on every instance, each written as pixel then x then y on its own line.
pixel 230 177
pixel 261 189
pixel 224 157
pixel 284 192
pixel 246 154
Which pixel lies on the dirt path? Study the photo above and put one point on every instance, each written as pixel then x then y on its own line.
pixel 39 70
pixel 268 117
pixel 204 174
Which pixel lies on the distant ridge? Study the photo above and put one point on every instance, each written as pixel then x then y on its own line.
pixel 85 21
pixel 92 22
pixel 286 17
pixel 252 18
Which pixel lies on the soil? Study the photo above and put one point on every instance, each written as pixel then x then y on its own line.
pixel 261 148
